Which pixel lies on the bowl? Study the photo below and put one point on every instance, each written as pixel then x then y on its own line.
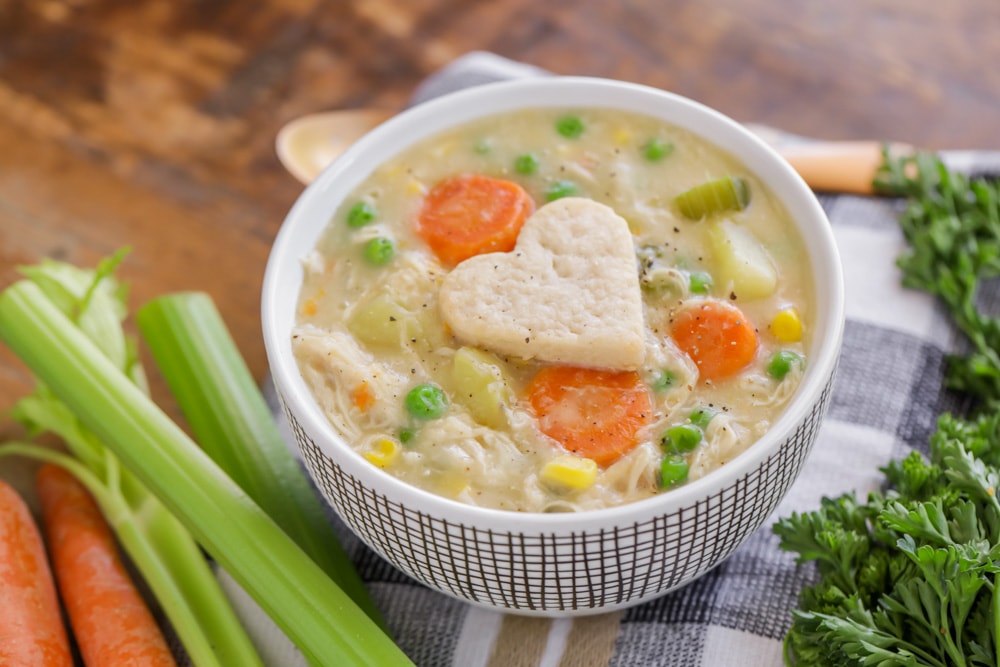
pixel 553 564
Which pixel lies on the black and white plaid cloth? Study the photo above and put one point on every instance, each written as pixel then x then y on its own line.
pixel 887 397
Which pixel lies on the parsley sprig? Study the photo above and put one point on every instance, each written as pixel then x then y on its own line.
pixel 909 577
pixel 952 227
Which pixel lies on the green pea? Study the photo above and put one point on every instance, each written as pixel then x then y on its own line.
pixel 663 380
pixel 426 401
pixel 379 251
pixel 406 434
pixel 570 127
pixel 699 282
pixel 526 164
pixel 657 149
pixel 700 417
pixel 360 214
pixel 681 438
pixel 781 363
pixel 560 189
pixel 673 471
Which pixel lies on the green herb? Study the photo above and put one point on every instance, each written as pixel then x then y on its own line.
pixel 910 577
pixel 306 604
pixel 952 226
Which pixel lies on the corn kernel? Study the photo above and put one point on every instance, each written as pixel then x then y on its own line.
pixel 415 187
pixel 622 136
pixel 570 471
pixel 786 326
pixel 383 453
pixel 309 307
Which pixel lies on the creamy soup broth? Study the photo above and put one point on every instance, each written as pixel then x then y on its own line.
pixel 369 326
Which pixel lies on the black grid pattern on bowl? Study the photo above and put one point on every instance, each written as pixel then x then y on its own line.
pixel 572 571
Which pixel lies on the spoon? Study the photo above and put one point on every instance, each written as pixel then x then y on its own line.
pixel 306 145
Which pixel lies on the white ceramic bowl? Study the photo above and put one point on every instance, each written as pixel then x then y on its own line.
pixel 554 564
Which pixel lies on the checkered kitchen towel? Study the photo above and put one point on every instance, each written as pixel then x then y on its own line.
pixel 885 402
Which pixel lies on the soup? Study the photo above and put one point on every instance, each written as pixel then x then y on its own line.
pixel 555 310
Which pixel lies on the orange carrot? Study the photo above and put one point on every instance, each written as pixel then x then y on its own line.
pixel 470 214
pixel 363 397
pixel 716 335
pixel 110 619
pixel 593 413
pixel 31 628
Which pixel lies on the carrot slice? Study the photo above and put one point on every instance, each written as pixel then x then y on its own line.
pixel 31 627
pixel 469 214
pixel 110 619
pixel 593 413
pixel 716 335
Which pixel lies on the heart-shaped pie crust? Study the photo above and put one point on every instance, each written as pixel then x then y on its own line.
pixel 567 293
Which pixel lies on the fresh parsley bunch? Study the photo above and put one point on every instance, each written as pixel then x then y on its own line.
pixel 952 226
pixel 909 578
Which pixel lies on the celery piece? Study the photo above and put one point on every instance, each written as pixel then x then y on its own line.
pixel 163 551
pixel 231 421
pixel 730 193
pixel 312 610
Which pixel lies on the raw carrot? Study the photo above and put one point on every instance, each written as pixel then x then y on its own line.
pixel 31 628
pixel 469 214
pixel 596 414
pixel 111 623
pixel 716 335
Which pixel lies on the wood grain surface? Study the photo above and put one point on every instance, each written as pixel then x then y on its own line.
pixel 151 124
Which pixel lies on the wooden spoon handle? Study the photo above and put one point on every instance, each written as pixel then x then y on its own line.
pixel 838 166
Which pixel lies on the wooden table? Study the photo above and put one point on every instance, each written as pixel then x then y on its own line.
pixel 151 124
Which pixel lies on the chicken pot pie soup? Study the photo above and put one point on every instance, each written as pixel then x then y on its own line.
pixel 555 310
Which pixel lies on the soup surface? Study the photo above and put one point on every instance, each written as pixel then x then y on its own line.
pixel 555 310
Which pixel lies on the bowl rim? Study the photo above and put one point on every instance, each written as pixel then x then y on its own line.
pixel 301 228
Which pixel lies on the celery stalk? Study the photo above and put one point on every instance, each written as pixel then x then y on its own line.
pixel 163 551
pixel 232 423
pixel 315 614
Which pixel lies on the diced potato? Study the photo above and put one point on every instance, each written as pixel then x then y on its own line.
pixel 742 261
pixel 569 471
pixel 481 385
pixel 381 321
